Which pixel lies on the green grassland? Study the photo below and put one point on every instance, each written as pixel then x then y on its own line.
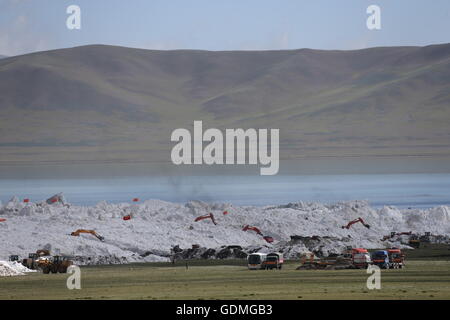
pixel 421 279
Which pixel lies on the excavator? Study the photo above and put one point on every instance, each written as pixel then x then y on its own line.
pixel 247 227
pixel 356 221
pixel 31 261
pixel 206 216
pixel 77 233
pixel 266 238
pixel 393 234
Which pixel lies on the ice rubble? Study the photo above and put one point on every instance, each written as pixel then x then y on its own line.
pixel 15 268
pixel 157 226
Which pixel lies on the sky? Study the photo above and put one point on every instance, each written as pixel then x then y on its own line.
pixel 37 25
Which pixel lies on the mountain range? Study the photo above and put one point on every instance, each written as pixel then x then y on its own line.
pixel 108 103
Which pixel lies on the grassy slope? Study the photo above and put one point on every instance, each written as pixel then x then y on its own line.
pixel 113 103
pixel 420 280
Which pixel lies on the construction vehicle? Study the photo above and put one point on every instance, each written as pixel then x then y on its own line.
pixel 13 258
pixel 359 257
pixel 247 227
pixel 42 260
pixel 274 260
pixel 332 262
pixel 56 264
pixel 43 263
pixel 206 216
pixel 79 231
pixel 396 258
pixel 393 234
pixel 356 221
pixel 57 198
pixel 380 258
pixel 414 241
pixel 256 260
pixel 427 238
pixel 31 261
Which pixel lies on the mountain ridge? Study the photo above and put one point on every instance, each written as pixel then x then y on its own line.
pixel 104 102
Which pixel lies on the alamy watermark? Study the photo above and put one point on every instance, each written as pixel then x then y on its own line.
pixel 374 280
pixel 374 20
pixel 74 281
pixel 73 21
pixel 189 149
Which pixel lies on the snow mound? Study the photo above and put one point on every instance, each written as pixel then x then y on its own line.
pixel 9 269
pixel 157 226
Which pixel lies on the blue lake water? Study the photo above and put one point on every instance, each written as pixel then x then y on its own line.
pixel 403 190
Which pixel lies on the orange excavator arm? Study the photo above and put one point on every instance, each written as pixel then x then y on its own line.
pixel 356 221
pixel 207 216
pixel 247 227
pixel 77 233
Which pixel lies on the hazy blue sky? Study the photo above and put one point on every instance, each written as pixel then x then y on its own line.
pixel 34 25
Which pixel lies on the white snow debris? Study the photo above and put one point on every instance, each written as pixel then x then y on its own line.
pixel 157 226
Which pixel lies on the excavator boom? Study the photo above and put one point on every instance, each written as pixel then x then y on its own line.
pixel 356 221
pixel 93 232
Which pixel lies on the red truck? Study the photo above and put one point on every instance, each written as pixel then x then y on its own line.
pixel 361 258
pixel 396 258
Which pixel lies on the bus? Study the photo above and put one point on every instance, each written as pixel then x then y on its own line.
pixel 256 260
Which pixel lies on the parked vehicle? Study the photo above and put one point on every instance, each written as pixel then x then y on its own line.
pixel 274 261
pixel 13 258
pixel 396 258
pixel 256 260
pixel 361 258
pixel 380 258
pixel 57 264
pixel 414 241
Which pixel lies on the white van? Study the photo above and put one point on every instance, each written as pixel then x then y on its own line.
pixel 256 260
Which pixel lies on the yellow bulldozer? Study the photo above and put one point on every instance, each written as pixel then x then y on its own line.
pixel 54 264
pixel 42 260
pixel 31 261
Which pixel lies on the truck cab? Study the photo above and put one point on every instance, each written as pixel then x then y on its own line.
pixel 256 260
pixel 361 258
pixel 274 260
pixel 396 258
pixel 380 258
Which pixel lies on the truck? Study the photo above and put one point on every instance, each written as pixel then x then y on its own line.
pixel 274 260
pixel 396 258
pixel 380 258
pixel 360 258
pixel 256 260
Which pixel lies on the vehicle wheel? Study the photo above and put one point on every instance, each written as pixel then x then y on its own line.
pixel 280 266
pixel 46 270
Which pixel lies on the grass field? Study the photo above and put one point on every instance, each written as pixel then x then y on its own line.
pixel 204 280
